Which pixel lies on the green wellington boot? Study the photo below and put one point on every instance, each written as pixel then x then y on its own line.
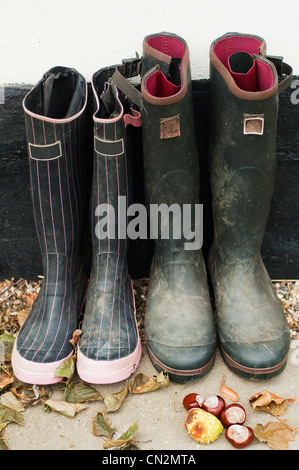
pixel 244 89
pixel 179 324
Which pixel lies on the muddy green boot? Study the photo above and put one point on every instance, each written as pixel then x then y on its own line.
pixel 179 325
pixel 244 87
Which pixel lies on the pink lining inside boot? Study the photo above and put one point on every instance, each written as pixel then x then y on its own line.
pixel 259 77
pixel 157 84
pixel 168 45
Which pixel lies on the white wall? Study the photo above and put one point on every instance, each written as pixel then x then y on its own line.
pixel 89 34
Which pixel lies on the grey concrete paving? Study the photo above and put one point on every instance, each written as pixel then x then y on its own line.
pixel 160 414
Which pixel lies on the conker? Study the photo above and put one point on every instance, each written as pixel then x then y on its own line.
pixel 193 400
pixel 239 435
pixel 233 414
pixel 214 405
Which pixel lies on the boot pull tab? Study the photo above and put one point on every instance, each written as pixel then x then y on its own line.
pixel 47 92
pixel 128 69
pixel 284 72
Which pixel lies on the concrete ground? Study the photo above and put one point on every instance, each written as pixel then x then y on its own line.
pixel 160 414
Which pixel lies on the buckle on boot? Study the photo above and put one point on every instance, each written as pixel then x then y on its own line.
pixel 131 67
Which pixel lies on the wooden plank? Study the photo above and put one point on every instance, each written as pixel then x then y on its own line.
pixel 19 250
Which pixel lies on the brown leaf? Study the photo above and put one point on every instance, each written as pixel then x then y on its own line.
pixel 79 392
pixel 27 396
pixel 124 440
pixel 271 403
pixel 102 426
pixel 76 338
pixel 9 399
pixel 8 415
pixel 276 434
pixel 227 392
pixel 5 379
pixel 3 445
pixel 113 401
pixel 22 315
pixel 30 298
pixel 141 383
pixel 67 409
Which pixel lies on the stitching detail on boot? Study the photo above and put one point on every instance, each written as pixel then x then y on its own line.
pixel 45 152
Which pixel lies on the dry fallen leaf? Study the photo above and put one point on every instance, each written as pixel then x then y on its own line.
pixel 67 409
pixel 3 445
pixel 5 381
pixel 124 440
pixel 102 426
pixel 78 392
pixel 76 338
pixel 141 383
pixel 67 368
pixel 8 415
pixel 113 401
pixel 10 400
pixel 276 434
pixel 27 396
pixel 30 297
pixel 227 392
pixel 22 315
pixel 271 403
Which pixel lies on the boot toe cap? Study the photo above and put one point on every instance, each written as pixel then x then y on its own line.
pixel 183 363
pixel 260 360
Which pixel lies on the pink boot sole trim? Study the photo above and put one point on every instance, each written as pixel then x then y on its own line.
pixel 107 372
pixel 36 373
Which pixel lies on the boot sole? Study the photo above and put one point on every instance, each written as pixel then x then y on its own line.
pixel 182 376
pixel 107 372
pixel 35 373
pixel 250 372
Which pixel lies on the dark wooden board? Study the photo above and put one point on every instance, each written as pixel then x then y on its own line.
pixel 19 250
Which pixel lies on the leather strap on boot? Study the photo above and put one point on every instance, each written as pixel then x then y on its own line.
pixel 128 69
pixel 283 70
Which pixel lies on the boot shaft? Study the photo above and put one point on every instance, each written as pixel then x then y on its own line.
pixel 171 170
pixel 243 128
pixel 54 118
pixel 112 186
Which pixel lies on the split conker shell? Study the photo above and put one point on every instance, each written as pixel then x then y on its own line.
pixel 202 426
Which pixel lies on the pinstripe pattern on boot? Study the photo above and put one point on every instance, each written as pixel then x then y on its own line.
pixel 54 124
pixel 110 345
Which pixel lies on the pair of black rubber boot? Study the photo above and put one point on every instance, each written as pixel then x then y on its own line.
pixel 55 115
pixel 179 323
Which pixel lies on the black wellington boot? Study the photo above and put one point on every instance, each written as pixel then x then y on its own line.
pixel 54 114
pixel 179 324
pixel 244 87
pixel 110 347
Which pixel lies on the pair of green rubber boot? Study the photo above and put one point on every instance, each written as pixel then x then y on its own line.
pixel 181 335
